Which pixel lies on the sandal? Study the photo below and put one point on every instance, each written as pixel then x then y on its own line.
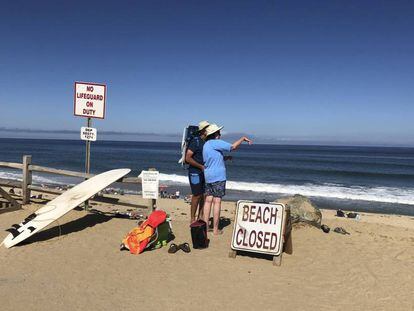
pixel 185 247
pixel 340 230
pixel 173 248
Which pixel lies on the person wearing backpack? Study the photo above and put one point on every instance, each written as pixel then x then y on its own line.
pixel 215 171
pixel 194 157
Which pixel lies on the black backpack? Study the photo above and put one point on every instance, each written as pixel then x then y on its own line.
pixel 190 132
pixel 199 234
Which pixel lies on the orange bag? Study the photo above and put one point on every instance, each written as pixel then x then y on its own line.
pixel 138 238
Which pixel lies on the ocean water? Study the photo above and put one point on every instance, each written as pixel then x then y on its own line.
pixel 378 179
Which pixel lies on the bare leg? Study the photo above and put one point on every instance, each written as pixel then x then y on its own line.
pixel 207 208
pixel 216 215
pixel 195 200
pixel 201 207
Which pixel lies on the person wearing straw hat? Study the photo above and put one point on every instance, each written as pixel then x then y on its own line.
pixel 194 157
pixel 215 171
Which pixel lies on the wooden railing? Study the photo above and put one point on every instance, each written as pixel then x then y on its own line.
pixel 26 184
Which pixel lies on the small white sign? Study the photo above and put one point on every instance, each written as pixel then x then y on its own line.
pixel 258 227
pixel 89 100
pixel 150 184
pixel 88 133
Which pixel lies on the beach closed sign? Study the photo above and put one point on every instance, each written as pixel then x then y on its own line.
pixel 258 227
pixel 90 100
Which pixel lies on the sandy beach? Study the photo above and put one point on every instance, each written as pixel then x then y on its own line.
pixel 76 264
pixel 302 103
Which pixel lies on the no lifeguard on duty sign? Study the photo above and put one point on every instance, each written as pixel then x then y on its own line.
pixel 90 100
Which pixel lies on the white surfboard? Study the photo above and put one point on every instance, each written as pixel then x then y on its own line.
pixel 61 205
pixel 183 148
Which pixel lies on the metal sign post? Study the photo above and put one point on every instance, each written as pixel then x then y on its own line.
pixel 88 159
pixel 89 102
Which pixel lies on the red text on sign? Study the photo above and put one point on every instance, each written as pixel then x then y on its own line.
pixel 257 239
pixel 89 112
pixel 259 214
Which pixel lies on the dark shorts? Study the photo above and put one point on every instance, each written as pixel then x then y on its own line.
pixel 197 183
pixel 216 189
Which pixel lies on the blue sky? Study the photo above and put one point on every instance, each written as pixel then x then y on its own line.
pixel 282 71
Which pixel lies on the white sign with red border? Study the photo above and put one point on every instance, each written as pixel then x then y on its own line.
pixel 258 227
pixel 89 100
pixel 88 133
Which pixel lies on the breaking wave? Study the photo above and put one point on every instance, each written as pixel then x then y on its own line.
pixel 373 194
pixel 328 190
pixel 36 178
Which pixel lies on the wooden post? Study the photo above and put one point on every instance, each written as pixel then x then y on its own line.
pixel 27 179
pixel 287 246
pixel 232 252
pixel 277 260
pixel 152 202
pixel 287 236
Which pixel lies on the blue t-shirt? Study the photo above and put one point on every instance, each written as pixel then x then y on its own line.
pixel 215 169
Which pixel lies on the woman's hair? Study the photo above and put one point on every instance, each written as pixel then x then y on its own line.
pixel 213 136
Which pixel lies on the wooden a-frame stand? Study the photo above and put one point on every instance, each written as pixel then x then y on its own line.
pixel 14 204
pixel 287 240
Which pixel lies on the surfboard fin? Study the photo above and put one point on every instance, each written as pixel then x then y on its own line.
pixel 14 232
pixel 29 218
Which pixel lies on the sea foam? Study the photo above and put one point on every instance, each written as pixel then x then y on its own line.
pixel 373 194
pixel 334 191
pixel 36 178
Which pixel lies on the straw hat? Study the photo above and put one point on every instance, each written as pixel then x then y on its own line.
pixel 212 128
pixel 202 125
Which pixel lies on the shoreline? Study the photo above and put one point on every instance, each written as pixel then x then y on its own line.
pixel 359 206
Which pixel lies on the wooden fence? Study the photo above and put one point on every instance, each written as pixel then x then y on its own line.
pixel 26 184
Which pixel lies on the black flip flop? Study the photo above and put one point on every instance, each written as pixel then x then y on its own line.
pixel 325 228
pixel 340 213
pixel 173 248
pixel 352 215
pixel 185 247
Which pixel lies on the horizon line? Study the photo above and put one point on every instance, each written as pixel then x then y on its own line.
pixel 175 138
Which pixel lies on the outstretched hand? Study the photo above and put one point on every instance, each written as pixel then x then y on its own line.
pixel 238 142
pixel 249 141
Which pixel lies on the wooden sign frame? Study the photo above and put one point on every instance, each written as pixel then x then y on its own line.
pixel 286 245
